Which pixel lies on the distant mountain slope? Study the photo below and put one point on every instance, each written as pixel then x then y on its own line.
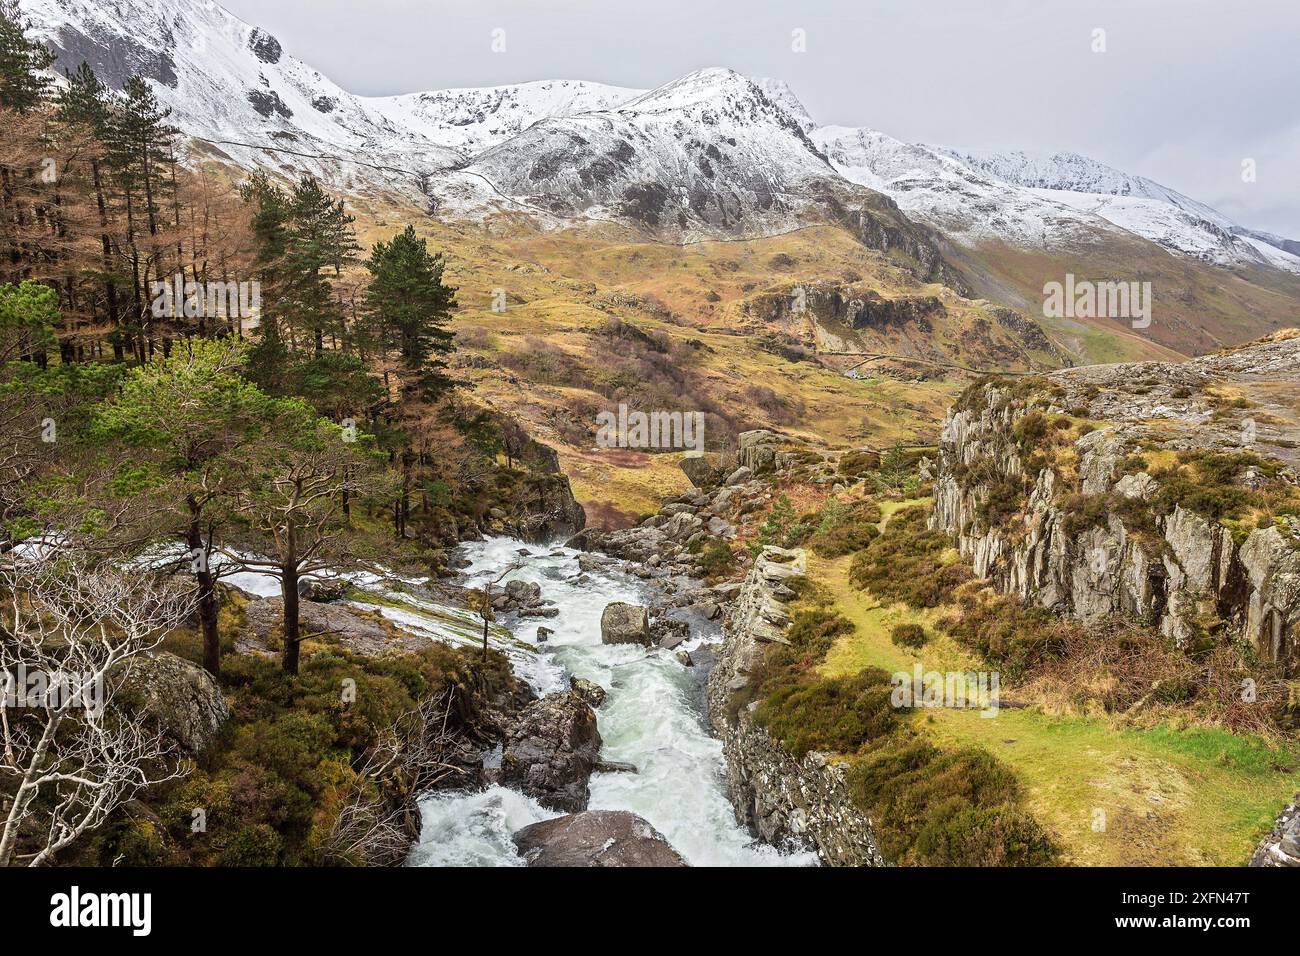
pixel 709 155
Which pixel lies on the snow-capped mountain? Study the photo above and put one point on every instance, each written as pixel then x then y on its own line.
pixel 712 148
pixel 935 188
pixel 1134 203
pixel 1062 200
pixel 712 152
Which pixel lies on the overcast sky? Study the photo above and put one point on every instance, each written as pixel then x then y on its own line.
pixel 1184 92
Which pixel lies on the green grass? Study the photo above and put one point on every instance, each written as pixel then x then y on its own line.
pixel 1194 796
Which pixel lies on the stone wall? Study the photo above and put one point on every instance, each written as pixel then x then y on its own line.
pixel 788 802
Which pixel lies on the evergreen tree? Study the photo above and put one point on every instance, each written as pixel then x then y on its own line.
pixel 412 307
pixel 320 238
pixel 22 88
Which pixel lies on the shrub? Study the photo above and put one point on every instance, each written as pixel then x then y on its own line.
pixel 1000 835
pixel 907 563
pixel 945 807
pixel 857 464
pixel 1003 499
pixel 835 715
pixel 909 635
pixel 714 558
pixel 1009 635
pixel 843 529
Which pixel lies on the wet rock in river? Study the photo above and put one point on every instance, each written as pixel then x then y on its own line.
pixel 596 838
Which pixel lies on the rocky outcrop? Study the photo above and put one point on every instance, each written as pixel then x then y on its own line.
pixel 179 696
pixel 545 509
pixel 595 838
pixel 1282 846
pixel 1173 570
pixel 552 750
pixel 622 623
pixel 786 801
pixel 852 308
pixel 758 452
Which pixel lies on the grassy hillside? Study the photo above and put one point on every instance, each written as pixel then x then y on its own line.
pixel 1109 792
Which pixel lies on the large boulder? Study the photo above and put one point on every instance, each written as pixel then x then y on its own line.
pixel 702 471
pixel 178 695
pixel 552 750
pixel 359 630
pixel 622 623
pixel 596 838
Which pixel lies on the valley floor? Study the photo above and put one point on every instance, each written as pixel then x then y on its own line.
pixel 1112 795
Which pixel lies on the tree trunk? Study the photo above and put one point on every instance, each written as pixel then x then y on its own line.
pixel 289 590
pixel 207 586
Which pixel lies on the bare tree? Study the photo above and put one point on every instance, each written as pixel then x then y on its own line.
pixel 408 758
pixel 481 600
pixel 71 757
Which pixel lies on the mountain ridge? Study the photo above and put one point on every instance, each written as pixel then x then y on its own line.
pixel 1055 198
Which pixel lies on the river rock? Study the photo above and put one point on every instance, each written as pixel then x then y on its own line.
pixel 596 838
pixel 543 633
pixel 523 592
pixel 588 690
pixel 552 750
pixel 616 766
pixel 622 623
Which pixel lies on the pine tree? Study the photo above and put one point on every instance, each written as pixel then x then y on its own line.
pixel 320 239
pixel 139 141
pixel 22 88
pixel 412 307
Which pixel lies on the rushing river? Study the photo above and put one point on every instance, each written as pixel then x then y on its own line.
pixel 652 718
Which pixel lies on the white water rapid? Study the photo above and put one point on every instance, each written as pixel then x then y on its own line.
pixel 653 718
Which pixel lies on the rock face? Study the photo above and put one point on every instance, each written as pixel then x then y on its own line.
pixel 549 509
pixel 596 838
pixel 758 450
pixel 180 695
pixel 1282 846
pixel 1192 566
pixel 552 750
pixel 622 623
pixel 786 801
